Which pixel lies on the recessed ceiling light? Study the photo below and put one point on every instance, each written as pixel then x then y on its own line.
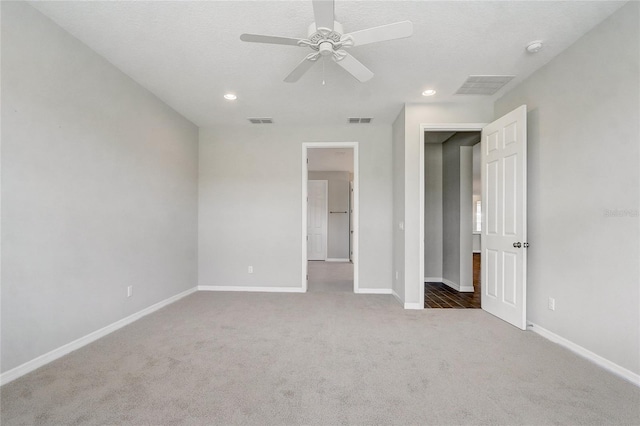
pixel 429 92
pixel 534 46
pixel 230 97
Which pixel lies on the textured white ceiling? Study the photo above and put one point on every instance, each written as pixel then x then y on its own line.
pixel 189 53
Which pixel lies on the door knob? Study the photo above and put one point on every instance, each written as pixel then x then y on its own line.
pixel 517 245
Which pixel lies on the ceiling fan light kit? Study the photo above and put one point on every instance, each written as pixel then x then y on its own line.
pixel 327 39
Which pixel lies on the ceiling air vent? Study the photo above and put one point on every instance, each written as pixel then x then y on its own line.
pixel 359 120
pixel 483 84
pixel 261 120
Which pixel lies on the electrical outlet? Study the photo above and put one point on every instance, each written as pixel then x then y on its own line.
pixel 552 303
pixel 250 269
pixel 129 291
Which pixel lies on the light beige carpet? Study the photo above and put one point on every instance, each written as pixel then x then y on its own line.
pixel 318 358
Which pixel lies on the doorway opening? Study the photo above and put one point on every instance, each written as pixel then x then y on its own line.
pixel 452 197
pixel 503 170
pixel 329 217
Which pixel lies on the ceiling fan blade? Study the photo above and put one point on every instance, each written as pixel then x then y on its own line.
pixel 382 33
pixel 300 70
pixel 355 68
pixel 257 38
pixel 323 13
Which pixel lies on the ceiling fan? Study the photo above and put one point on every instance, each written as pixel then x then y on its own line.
pixel 326 38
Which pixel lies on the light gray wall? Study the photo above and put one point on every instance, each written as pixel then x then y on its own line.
pixel 457 184
pixel 451 211
pixel 398 204
pixel 338 201
pixel 466 199
pixel 99 189
pixel 416 114
pixel 583 151
pixel 250 209
pixel 477 186
pixel 433 211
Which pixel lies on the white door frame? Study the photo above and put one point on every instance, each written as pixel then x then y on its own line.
pixel 435 127
pixel 356 206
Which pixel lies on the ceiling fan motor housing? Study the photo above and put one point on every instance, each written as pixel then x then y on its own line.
pixel 324 39
pixel 325 48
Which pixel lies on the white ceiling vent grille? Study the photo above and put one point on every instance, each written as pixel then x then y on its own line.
pixel 484 84
pixel 265 120
pixel 359 120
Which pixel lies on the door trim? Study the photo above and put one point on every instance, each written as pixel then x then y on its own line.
pixel 356 207
pixel 473 127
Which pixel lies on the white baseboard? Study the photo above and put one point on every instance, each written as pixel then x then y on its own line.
pixel 407 305
pixel 458 287
pixel 595 358
pixel 453 285
pixel 374 291
pixel 252 289
pixel 477 251
pixel 42 360
pixel 332 259
pixel 394 294
pixel 414 305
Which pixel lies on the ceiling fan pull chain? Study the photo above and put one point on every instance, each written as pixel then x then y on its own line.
pixel 323 83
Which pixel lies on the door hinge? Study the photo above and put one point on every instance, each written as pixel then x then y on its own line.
pixel 307 277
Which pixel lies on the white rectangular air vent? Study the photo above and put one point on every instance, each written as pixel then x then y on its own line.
pixel 484 84
pixel 265 120
pixel 359 120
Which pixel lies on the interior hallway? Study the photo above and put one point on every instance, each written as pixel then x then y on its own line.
pixel 330 276
pixel 440 295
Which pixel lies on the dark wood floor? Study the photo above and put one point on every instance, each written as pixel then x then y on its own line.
pixel 440 295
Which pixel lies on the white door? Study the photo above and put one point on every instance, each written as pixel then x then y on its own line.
pixel 504 222
pixel 317 219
